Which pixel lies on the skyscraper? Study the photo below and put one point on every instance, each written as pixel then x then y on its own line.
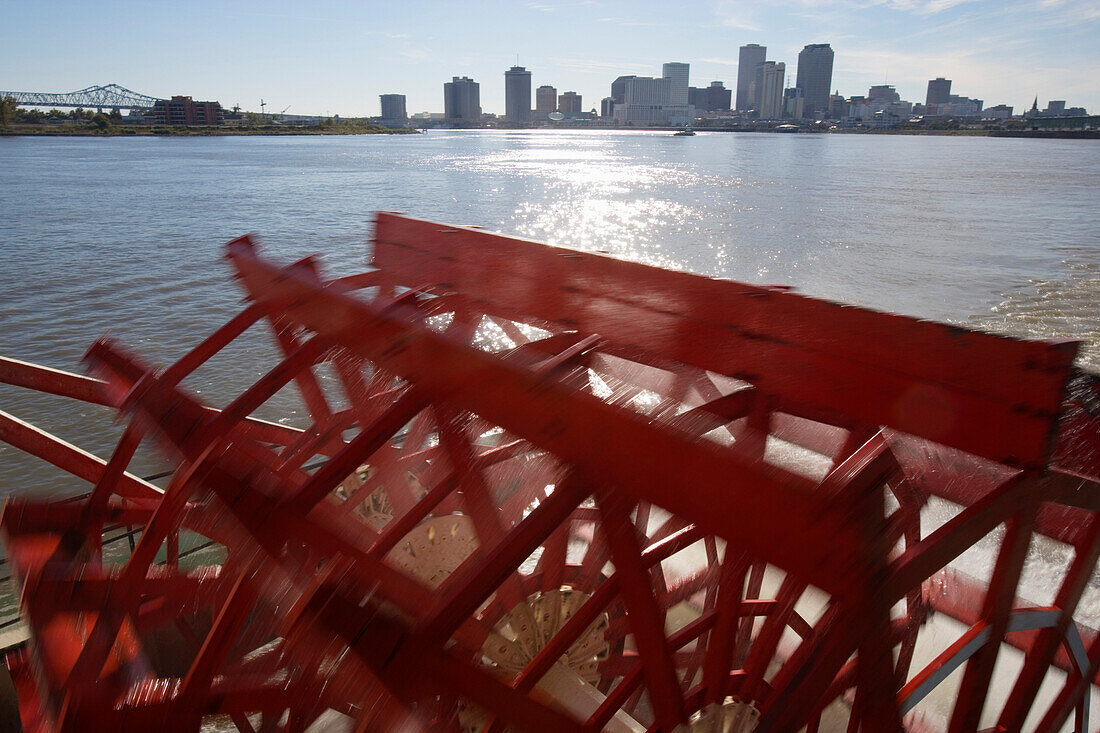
pixel 645 90
pixel 393 108
pixel 678 73
pixel 939 91
pixel 569 104
pixel 815 77
pixel 462 100
pixel 769 89
pixel 715 98
pixel 517 94
pixel 546 101
pixel 618 88
pixel 718 97
pixel 750 57
pixel 883 94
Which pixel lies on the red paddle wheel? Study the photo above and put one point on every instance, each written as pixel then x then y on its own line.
pixel 546 490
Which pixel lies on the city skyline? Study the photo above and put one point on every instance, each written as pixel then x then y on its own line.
pixel 337 59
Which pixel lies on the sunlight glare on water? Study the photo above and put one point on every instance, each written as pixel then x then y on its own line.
pixel 125 235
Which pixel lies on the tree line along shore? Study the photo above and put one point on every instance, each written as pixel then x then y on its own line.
pixel 88 123
pixel 15 121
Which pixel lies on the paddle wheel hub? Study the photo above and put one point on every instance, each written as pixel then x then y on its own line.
pixel 545 490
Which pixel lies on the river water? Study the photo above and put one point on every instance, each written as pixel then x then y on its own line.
pixel 125 234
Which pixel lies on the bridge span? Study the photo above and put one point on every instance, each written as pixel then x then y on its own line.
pixel 110 95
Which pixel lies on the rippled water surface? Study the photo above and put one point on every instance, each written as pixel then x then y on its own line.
pixel 125 234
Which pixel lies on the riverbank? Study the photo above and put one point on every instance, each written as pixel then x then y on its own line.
pixel 91 130
pixel 353 128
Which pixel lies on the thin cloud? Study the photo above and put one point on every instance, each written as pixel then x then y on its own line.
pixel 925 7
pixel 732 15
pixel 595 65
pixel 415 54
pixel 730 21
pixel 919 7
pixel 720 62
pixel 630 22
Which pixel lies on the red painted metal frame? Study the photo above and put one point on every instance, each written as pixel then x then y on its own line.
pixel 633 417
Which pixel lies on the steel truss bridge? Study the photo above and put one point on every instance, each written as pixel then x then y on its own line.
pixel 111 95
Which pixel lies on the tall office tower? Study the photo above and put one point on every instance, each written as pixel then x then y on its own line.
pixel 517 94
pixel 678 73
pixel 607 107
pixel 546 101
pixel 815 77
pixel 618 88
pixel 750 57
pixel 939 91
pixel 769 90
pixel 648 91
pixel 393 107
pixel 569 104
pixel 462 100
pixel 883 94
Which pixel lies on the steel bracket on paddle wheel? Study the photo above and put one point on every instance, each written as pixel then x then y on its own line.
pixel 545 490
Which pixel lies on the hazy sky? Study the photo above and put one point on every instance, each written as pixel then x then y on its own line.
pixel 337 57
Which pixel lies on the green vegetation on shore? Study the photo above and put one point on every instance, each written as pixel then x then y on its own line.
pixel 90 130
pixel 86 123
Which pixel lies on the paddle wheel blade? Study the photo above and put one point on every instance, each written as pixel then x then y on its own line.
pixel 539 489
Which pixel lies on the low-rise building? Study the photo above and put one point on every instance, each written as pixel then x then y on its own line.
pixel 181 110
pixel 998 112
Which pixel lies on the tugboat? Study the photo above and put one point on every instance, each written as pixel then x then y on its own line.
pixel 687 131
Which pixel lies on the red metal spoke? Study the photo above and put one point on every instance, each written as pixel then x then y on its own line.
pixel 767 640
pixel 616 700
pixel 468 586
pixel 306 380
pixel 68 457
pixel 552 562
pixel 720 646
pixel 712 407
pixel 215 649
pixel 646 619
pixel 213 343
pixel 315 441
pixel 511 330
pixel 298 360
pixel 166 517
pixel 995 610
pixel 1041 655
pixel 107 484
pixel 960 532
pixel 369 440
pixel 1072 694
pixel 53 381
pixel 478 503
pixel 806 674
pixel 744 634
